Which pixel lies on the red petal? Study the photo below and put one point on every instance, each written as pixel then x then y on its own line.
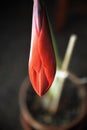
pixel 42 63
pixel 46 53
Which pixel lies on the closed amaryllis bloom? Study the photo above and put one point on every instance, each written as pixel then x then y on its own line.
pixel 42 63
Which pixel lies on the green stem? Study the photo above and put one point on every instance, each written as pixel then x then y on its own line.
pixel 52 98
pixel 58 62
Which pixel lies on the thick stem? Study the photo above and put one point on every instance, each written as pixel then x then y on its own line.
pixel 52 98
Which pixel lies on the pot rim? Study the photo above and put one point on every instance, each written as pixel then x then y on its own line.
pixel 25 113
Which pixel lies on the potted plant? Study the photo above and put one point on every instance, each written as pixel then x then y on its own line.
pixel 60 99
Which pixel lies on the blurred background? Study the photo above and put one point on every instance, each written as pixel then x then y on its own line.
pixel 67 17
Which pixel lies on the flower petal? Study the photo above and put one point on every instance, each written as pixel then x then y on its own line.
pixel 42 63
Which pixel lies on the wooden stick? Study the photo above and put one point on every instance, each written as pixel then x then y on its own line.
pixel 52 98
pixel 62 74
pixel 68 53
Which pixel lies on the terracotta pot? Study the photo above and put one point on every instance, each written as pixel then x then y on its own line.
pixel 30 122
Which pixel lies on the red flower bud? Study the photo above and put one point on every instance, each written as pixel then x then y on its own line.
pixel 42 63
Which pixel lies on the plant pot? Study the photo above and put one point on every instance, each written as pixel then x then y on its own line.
pixel 71 110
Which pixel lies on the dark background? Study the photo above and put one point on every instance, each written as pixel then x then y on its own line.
pixel 15 30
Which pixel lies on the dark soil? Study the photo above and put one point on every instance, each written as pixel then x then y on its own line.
pixel 69 107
